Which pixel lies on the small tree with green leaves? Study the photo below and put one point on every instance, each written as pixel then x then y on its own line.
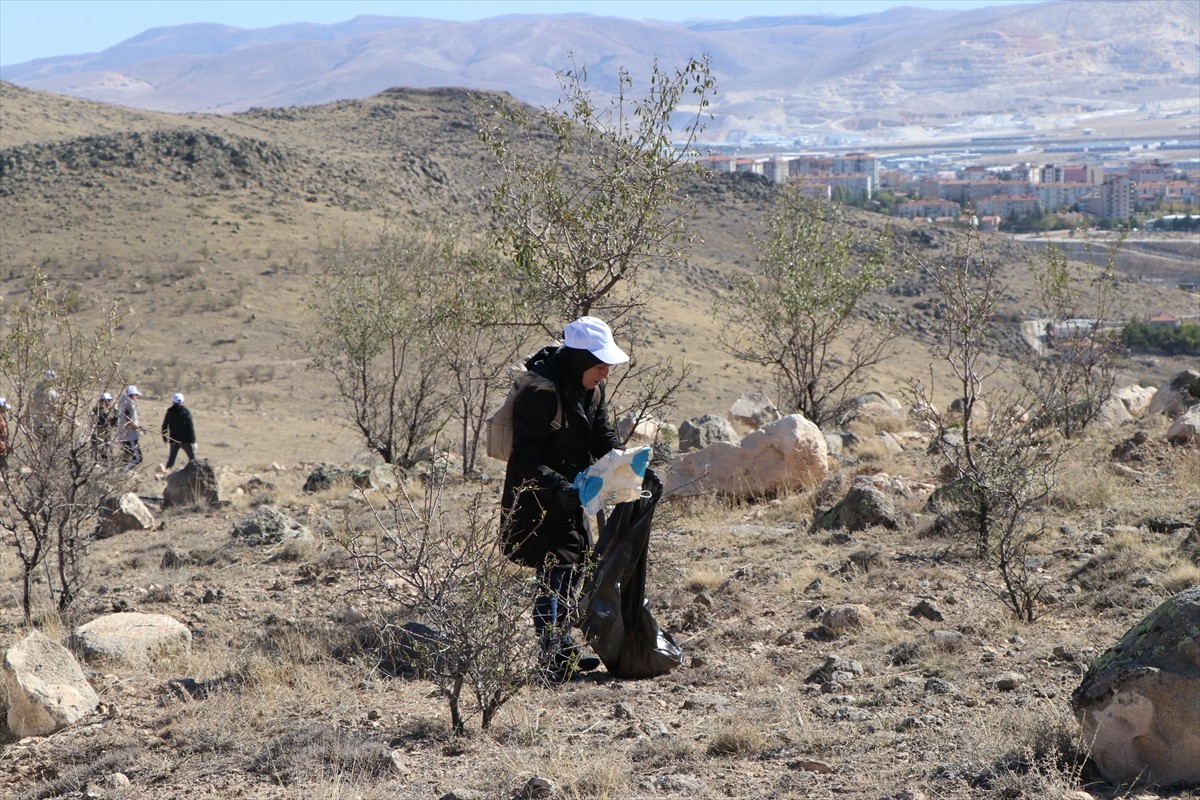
pixel 999 473
pixel 800 314
pixel 585 200
pixel 57 476
pixel 1076 374
pixel 372 336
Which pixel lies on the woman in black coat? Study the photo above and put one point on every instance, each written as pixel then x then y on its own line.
pixel 544 525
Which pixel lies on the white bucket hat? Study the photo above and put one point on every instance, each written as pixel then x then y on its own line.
pixel 594 335
pixel 132 390
pixel 105 396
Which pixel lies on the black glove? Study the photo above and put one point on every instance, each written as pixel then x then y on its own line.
pixel 569 498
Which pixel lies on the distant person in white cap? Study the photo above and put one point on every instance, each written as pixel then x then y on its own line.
pixel 129 427
pixel 104 425
pixel 44 405
pixel 178 430
pixel 544 525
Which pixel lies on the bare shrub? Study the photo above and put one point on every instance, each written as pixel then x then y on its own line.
pixel 441 565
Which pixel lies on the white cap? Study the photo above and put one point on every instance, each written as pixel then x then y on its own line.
pixel 3 403
pixel 177 397
pixel 594 335
pixel 105 396
pixel 51 374
pixel 132 390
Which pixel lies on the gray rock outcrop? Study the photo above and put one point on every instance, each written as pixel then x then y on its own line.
pixel 268 526
pixel 45 687
pixel 1139 703
pixel 1176 395
pixel 788 454
pixel 696 434
pixel 754 409
pixel 133 638
pixel 1186 429
pixel 195 483
pixel 864 506
pixel 124 513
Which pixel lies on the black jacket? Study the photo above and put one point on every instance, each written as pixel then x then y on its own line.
pixel 536 526
pixel 177 425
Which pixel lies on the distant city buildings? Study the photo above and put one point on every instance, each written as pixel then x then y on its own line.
pixel 946 185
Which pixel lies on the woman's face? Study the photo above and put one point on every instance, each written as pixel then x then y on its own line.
pixel 596 375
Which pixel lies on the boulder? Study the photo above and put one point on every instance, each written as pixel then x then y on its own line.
pixel 1136 399
pixel 133 638
pixel 45 687
pixel 1111 414
pixel 833 445
pixel 696 434
pixel 1186 429
pixel 1176 395
pixel 195 483
pixel 864 506
pixel 124 513
pixel 847 618
pixel 876 410
pixel 754 410
pixel 641 432
pixel 1139 702
pixel 788 454
pixel 268 526
pixel 380 476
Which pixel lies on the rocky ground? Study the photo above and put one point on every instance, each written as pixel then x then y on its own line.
pixel 935 692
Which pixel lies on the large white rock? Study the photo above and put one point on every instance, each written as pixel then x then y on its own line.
pixel 1136 399
pixel 786 454
pixel 1112 414
pixel 124 513
pixel 1139 703
pixel 44 687
pixel 133 638
pixel 1186 429
pixel 875 409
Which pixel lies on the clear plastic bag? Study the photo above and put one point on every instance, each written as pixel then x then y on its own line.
pixel 615 478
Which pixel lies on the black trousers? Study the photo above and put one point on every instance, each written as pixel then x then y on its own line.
pixel 187 448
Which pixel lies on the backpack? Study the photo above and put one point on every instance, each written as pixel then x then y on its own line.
pixel 500 424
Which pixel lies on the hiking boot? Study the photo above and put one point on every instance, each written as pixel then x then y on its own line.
pixel 584 661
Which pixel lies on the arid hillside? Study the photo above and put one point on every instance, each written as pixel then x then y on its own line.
pixel 209 226
pixel 827 655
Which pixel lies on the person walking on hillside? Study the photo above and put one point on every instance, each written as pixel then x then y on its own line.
pixel 543 524
pixel 129 426
pixel 178 430
pixel 104 425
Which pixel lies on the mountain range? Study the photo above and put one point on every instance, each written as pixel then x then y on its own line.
pixel 898 75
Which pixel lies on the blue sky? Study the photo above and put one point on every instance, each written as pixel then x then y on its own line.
pixel 32 29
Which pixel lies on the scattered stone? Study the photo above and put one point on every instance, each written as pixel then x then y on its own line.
pixel 1139 702
pixel 1007 681
pixel 846 618
pixel 808 765
pixel 786 454
pixel 538 788
pixel 622 711
pixel 195 484
pixel 133 638
pixel 939 686
pixel 679 783
pixel 643 432
pixel 876 410
pixel 174 558
pixel 699 433
pixel 835 666
pixel 754 410
pixel 267 526
pixel 1176 395
pixel 928 610
pixel 863 507
pixel 1136 399
pixel 1111 414
pixel 1186 429
pixel 45 687
pixel 833 444
pixel 124 513
pixel 704 702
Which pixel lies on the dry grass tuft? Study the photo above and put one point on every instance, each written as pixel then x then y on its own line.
pixel 738 738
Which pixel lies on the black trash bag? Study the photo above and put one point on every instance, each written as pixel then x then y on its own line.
pixel 615 617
